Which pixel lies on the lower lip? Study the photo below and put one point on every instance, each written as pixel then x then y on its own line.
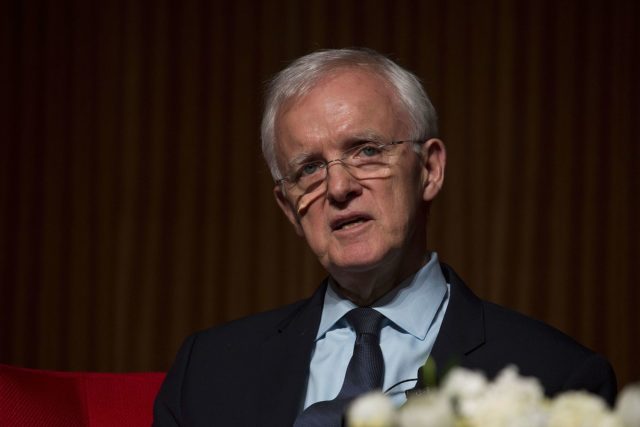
pixel 352 229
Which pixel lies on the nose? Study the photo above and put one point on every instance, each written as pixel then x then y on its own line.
pixel 341 185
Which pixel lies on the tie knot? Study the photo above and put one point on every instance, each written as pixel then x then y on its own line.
pixel 365 320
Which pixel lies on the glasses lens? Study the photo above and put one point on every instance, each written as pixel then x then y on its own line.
pixel 307 183
pixel 362 162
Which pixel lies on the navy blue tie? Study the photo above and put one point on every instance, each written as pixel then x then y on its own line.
pixel 365 371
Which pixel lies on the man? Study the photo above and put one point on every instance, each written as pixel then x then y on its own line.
pixel 351 140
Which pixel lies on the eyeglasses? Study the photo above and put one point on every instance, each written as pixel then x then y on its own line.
pixel 363 161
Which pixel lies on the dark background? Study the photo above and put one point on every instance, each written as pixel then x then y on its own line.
pixel 135 206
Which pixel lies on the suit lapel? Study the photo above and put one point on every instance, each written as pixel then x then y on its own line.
pixel 284 364
pixel 462 330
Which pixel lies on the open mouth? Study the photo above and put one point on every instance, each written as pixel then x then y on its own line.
pixel 346 223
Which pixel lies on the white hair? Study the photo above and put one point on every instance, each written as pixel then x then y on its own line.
pixel 301 76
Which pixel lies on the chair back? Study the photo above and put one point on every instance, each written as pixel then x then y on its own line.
pixel 39 398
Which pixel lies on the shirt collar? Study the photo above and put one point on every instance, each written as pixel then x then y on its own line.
pixel 412 306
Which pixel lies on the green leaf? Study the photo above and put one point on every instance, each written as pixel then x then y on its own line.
pixel 429 373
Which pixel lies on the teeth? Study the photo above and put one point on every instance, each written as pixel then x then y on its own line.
pixel 351 224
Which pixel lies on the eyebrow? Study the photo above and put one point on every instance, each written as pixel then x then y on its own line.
pixel 367 135
pixel 301 158
pixel 346 144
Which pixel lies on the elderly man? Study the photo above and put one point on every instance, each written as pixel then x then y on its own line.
pixel 351 140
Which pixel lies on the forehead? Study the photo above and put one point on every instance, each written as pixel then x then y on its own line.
pixel 347 104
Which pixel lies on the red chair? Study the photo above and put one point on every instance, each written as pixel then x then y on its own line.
pixel 38 398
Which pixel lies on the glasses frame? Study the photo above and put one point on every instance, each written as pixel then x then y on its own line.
pixel 325 164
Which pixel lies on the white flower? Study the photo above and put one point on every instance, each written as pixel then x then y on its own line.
pixel 580 409
pixel 628 406
pixel 371 410
pixel 507 411
pixel 526 390
pixel 467 399
pixel 427 410
pixel 510 401
pixel 465 387
pixel 463 383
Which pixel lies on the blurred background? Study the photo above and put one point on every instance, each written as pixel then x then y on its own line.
pixel 135 206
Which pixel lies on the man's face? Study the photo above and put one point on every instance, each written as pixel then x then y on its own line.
pixel 354 226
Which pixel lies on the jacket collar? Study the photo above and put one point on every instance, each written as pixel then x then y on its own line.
pixel 283 364
pixel 463 328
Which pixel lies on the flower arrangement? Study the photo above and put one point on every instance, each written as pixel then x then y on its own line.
pixel 467 399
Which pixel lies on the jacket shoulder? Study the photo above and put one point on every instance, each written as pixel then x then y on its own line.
pixel 495 337
pixel 503 325
pixel 252 326
pixel 219 362
pixel 543 351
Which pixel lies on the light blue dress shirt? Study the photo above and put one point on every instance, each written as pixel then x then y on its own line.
pixel 414 313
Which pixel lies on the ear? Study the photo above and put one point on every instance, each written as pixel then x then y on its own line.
pixel 434 159
pixel 288 209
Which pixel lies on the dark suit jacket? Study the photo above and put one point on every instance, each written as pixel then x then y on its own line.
pixel 253 371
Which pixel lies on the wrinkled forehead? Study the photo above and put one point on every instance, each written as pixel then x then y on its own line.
pixel 366 96
pixel 300 90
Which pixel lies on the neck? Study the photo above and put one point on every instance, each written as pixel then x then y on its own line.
pixel 366 287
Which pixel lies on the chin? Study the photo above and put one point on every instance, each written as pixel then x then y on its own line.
pixel 355 261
